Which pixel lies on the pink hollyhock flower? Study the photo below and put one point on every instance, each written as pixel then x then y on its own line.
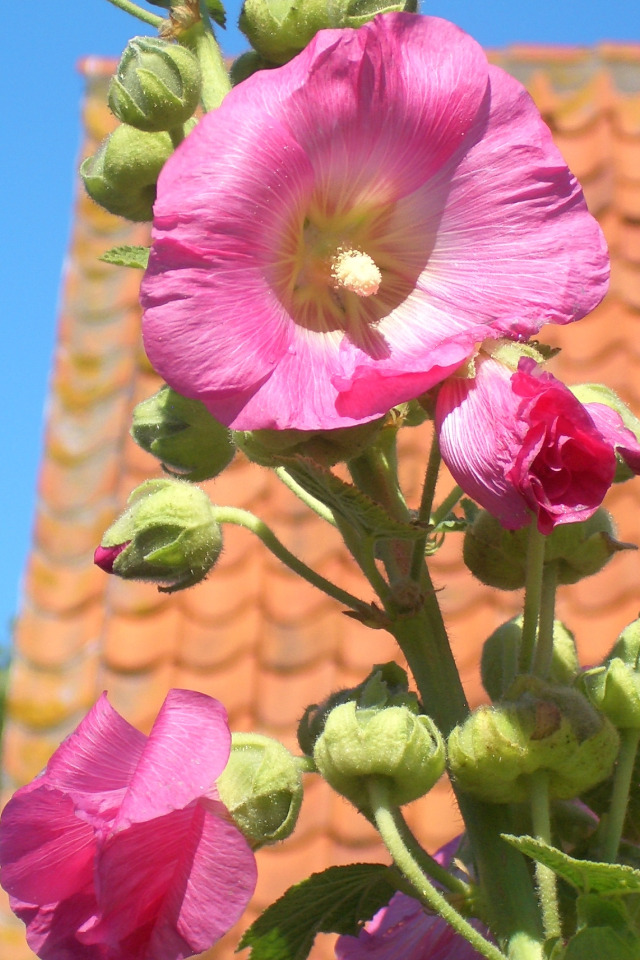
pixel 342 232
pixel 521 444
pixel 121 849
pixel 403 930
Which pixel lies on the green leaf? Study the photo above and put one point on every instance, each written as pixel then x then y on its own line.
pixel 348 502
pixel 127 256
pixel 587 876
pixel 601 943
pixel 334 901
pixel 217 12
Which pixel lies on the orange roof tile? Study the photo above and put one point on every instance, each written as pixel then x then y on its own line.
pixel 252 635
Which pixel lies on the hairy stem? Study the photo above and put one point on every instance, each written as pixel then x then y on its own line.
pixel 385 817
pixel 614 821
pixel 426 503
pixel 544 645
pixel 545 877
pixel 532 598
pixel 145 15
pixel 243 518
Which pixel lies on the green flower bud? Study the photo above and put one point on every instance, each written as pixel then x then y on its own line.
pixel 168 535
pixel 501 651
pixel 552 729
pixel 122 175
pixel 386 685
pixel 183 435
pixel 326 447
pixel 261 787
pixel 156 86
pixel 615 690
pixel 246 65
pixel 279 29
pixel 627 646
pixel 599 393
pixel 582 549
pixel 394 742
pixel 498 557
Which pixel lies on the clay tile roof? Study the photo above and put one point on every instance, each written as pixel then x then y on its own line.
pixel 252 635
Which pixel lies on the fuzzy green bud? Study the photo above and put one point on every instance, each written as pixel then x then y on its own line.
pixel 599 393
pixel 279 29
pixel 326 447
pixel 168 535
pixel 394 742
pixel 183 435
pixel 501 651
pixel 122 175
pixel 498 557
pixel 261 787
pixel 387 684
pixel 552 729
pixel 246 65
pixel 627 646
pixel 615 690
pixel 156 86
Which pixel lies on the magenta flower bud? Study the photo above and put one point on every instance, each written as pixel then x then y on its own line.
pixel 104 557
pixel 522 445
pixel 168 535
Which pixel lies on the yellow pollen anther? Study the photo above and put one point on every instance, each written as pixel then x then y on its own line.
pixel 355 271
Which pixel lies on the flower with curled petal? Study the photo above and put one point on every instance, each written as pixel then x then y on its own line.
pixel 121 849
pixel 339 235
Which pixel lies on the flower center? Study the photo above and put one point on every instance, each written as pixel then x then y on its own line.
pixel 355 271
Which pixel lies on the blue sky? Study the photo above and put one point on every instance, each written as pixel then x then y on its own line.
pixel 39 144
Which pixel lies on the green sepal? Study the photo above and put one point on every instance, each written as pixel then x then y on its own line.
pixel 587 876
pixel 217 12
pixel 334 901
pixel 127 256
pixel 345 500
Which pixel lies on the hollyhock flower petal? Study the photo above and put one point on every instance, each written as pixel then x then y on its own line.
pixel 522 445
pixel 404 929
pixel 173 908
pixel 94 883
pixel 95 764
pixel 46 852
pixel 179 763
pixel 52 928
pixel 611 426
pixel 396 145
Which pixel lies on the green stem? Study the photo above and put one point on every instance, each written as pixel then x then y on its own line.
pixel 426 503
pixel 145 15
pixel 215 79
pixel 428 864
pixel 305 764
pixel 243 518
pixel 447 505
pixel 385 819
pixel 316 505
pixel 532 598
pixel 362 550
pixel 544 645
pixel 503 873
pixel 177 135
pixel 614 822
pixel 545 877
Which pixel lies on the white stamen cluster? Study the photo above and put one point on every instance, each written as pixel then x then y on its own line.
pixel 355 271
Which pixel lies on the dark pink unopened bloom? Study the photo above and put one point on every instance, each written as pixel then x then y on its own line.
pixel 522 445
pixel 121 849
pixel 403 930
pixel 343 231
